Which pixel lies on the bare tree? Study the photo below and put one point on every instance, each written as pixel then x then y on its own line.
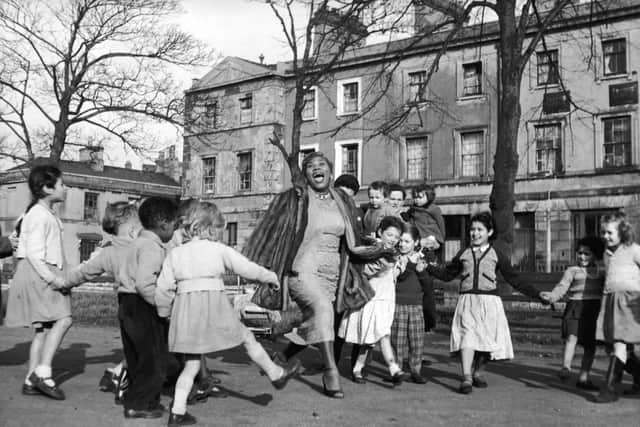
pixel 102 64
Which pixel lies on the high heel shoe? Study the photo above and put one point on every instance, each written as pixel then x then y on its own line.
pixel 334 394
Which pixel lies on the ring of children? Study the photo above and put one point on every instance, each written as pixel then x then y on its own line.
pixel 523 391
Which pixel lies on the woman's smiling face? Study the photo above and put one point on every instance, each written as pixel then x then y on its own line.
pixel 318 174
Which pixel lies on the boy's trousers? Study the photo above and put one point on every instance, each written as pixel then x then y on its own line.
pixel 145 349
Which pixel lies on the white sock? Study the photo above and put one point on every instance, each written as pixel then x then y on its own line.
pixel 357 367
pixel 261 358
pixel 44 371
pixel 394 368
pixel 26 380
pixel 183 386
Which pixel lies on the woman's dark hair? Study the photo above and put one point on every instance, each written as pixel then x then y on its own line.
pixel 485 219
pixel 413 231
pixel 595 245
pixel 625 229
pixel 426 189
pixel 39 177
pixel 312 156
pixel 391 221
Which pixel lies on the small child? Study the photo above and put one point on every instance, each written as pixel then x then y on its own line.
pixel 378 207
pixel 143 332
pixel 618 324
pixel 583 283
pixel 479 329
pixel 427 216
pixel 396 199
pixel 191 290
pixel 33 300
pixel 407 330
pixel 372 323
pixel 122 223
pixel 350 185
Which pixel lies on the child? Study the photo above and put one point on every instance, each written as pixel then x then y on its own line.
pixel 378 207
pixel 583 283
pixel 372 323
pixel 427 216
pixel 143 331
pixel 33 301
pixel 407 330
pixel 618 324
pixel 350 185
pixel 122 223
pixel 396 199
pixel 479 329
pixel 191 290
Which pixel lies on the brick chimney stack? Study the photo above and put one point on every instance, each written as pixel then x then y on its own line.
pixel 94 156
pixel 332 31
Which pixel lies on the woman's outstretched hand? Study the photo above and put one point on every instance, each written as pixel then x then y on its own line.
pixel 274 286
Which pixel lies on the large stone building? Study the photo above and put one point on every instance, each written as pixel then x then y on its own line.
pixel 578 159
pixel 90 186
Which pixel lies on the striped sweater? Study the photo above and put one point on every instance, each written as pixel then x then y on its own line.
pixel 579 283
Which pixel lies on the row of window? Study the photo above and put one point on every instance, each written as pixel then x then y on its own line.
pixel 244 170
pixel 614 60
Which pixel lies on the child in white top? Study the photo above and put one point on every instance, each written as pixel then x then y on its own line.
pixel 372 323
pixel 33 301
pixel 191 290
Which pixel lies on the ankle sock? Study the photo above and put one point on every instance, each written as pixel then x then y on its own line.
pixel 394 368
pixel 43 371
pixel 261 358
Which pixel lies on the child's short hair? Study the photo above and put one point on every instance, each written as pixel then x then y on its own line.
pixel 204 221
pixel 397 187
pixel 625 229
pixel 380 186
pixel 486 219
pixel 116 214
pixel 426 189
pixel 154 210
pixel 348 181
pixel 595 245
pixel 391 221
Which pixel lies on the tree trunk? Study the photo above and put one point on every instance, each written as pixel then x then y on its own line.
pixel 505 166
pixel 59 139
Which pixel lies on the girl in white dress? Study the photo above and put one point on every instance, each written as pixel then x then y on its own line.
pixel 191 290
pixel 372 323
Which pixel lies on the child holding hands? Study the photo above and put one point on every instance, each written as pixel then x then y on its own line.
pixel 372 323
pixel 583 283
pixel 191 291
pixel 33 298
pixel 479 329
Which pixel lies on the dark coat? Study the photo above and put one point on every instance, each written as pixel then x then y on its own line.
pixel 276 239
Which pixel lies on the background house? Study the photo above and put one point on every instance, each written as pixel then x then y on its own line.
pixel 578 144
pixel 90 186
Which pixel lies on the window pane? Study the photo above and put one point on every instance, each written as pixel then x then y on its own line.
pixel 246 105
pixel 90 206
pixel 350 97
pixel 209 175
pixel 615 56
pixel 548 146
pixel 417 158
pixel 87 247
pixel 548 67
pixel 417 86
pixel 244 169
pixel 350 159
pixel 211 115
pixel 472 148
pixel 232 233
pixel 472 79
pixel 309 109
pixel 617 141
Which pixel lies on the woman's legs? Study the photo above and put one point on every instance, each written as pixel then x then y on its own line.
pixel 185 383
pixel 361 359
pixel 389 357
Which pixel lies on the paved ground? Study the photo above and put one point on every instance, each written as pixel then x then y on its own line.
pixel 522 392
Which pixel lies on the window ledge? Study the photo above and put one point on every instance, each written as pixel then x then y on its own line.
pixel 545 175
pixel 621 76
pixel 616 169
pixel 469 98
pixel 346 114
pixel 309 119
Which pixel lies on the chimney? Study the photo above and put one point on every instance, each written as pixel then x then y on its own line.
pixel 333 31
pixel 127 164
pixel 426 19
pixel 94 155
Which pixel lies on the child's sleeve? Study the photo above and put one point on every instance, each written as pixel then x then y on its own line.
pixel 373 268
pixel 514 278
pixel 563 285
pixel 449 271
pixel 165 291
pixel 440 223
pixel 242 266
pixel 88 270
pixel 149 263
pixel 36 230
